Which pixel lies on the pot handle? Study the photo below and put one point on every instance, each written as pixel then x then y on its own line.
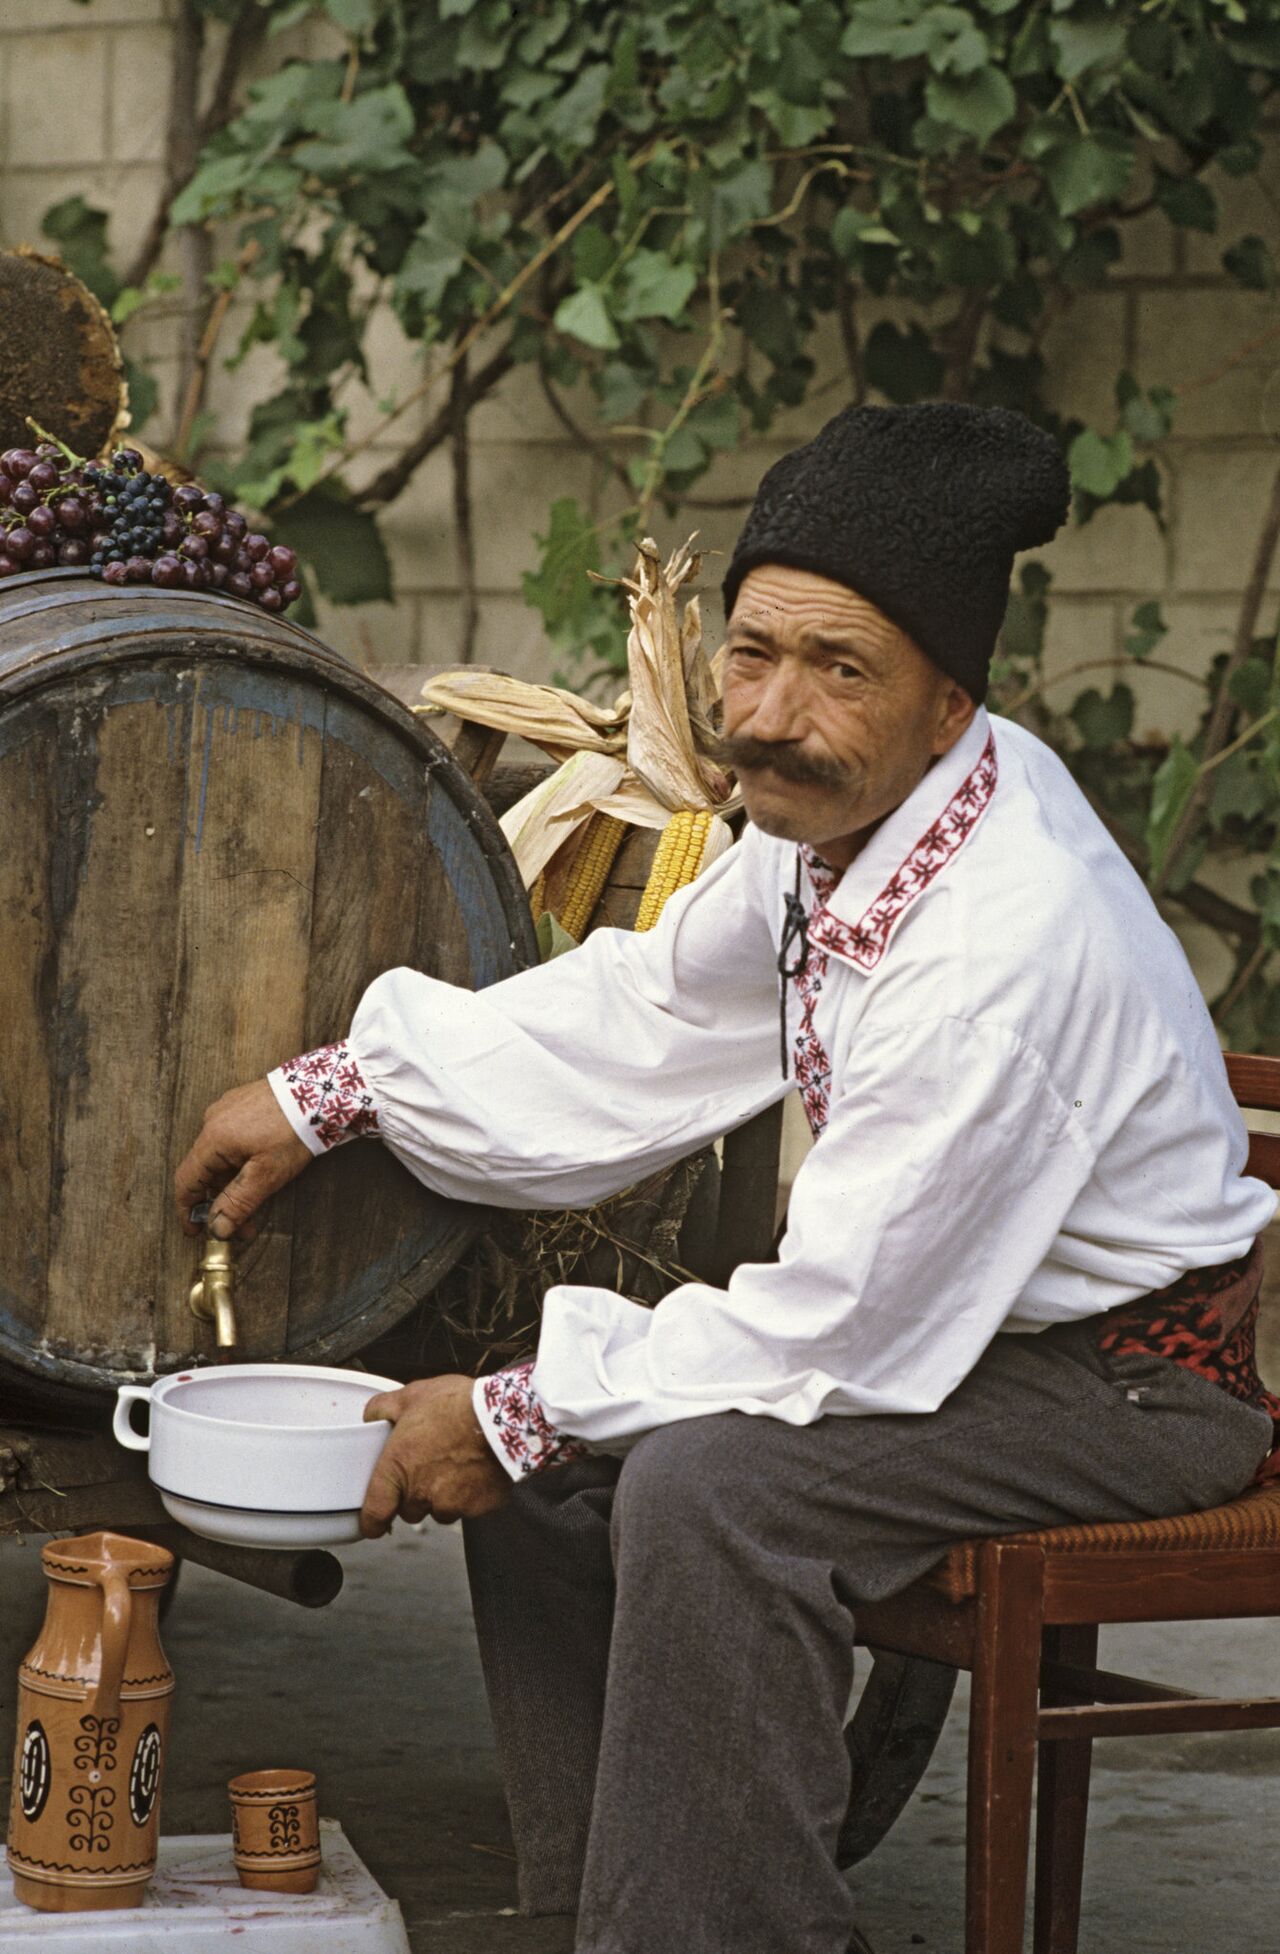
pixel 117 1615
pixel 125 1435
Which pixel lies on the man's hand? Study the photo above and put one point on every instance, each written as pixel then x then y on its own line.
pixel 437 1461
pixel 245 1152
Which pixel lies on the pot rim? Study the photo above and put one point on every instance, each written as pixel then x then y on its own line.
pixel 160 1399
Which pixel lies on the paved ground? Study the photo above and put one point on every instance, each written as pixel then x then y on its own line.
pixel 380 1694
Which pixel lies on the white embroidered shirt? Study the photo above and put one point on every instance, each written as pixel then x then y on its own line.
pixel 1021 1110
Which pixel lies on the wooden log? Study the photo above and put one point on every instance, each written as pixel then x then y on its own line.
pixel 619 905
pixel 58 1481
pixel 511 781
pixel 309 1576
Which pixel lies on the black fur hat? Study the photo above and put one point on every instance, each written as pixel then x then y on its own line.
pixel 921 510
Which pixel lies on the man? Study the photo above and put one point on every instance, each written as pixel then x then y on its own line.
pixel 1024 1133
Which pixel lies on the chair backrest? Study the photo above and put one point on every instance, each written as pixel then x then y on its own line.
pixel 1256 1085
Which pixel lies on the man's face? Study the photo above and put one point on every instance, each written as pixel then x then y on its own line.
pixel 831 714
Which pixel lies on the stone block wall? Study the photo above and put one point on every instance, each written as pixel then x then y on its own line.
pixel 83 94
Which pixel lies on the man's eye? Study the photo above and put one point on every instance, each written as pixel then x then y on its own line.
pixel 845 672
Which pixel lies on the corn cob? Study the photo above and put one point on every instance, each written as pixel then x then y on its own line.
pixel 678 861
pixel 594 859
pixel 537 897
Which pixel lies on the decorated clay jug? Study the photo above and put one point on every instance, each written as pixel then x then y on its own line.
pixel 94 1696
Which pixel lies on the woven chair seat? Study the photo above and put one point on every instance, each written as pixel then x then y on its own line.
pixel 1252 1520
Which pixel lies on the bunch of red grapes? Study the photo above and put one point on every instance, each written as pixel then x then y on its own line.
pixel 125 525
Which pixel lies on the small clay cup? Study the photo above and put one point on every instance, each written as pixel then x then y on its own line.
pixel 275 1832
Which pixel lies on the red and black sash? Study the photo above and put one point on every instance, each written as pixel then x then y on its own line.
pixel 1206 1320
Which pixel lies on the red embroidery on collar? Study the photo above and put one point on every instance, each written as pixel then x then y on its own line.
pixel 812 1066
pixel 865 941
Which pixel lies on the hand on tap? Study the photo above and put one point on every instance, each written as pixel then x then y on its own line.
pixel 245 1151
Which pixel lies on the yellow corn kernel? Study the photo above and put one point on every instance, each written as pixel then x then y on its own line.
pixel 595 858
pixel 677 862
pixel 537 897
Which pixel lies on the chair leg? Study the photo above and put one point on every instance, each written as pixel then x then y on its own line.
pixel 1002 1745
pixel 1062 1806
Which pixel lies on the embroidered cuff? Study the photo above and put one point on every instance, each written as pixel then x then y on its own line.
pixel 324 1096
pixel 513 1420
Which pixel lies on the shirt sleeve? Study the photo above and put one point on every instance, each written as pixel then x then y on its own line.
pixel 944 1174
pixel 515 1423
pixel 562 1084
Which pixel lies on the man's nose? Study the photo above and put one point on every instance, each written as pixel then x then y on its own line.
pixel 778 708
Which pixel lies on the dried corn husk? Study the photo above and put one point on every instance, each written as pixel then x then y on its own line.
pixel 551 815
pixel 547 715
pixel 647 756
pixel 669 732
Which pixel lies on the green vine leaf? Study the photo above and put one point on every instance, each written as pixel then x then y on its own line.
pixel 340 544
pixel 904 365
pixel 1087 44
pixel 1085 170
pixel 654 288
pixel 1100 462
pixel 1104 722
pixel 585 316
pixel 1171 790
pixel 1251 686
pixel 79 230
pixel 561 587
pixel 979 103
pixel 1146 631
pixel 1251 263
pixel 1186 202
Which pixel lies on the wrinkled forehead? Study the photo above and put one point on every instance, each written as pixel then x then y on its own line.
pixel 790 605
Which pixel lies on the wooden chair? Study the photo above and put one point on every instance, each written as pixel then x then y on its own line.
pixel 1022 1613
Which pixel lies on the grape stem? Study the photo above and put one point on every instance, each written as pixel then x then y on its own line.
pixel 62 447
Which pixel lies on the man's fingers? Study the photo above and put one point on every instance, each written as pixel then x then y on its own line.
pixel 387 1404
pixel 201 1174
pixel 382 1500
pixel 256 1182
pixel 246 1149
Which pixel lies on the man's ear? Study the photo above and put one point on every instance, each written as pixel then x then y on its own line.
pixel 955 716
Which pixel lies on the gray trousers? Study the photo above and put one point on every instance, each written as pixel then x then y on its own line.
pixel 668 1643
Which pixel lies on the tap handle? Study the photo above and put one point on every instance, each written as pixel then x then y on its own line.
pixel 199 1215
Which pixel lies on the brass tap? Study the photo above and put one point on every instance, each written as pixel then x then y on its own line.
pixel 213 1293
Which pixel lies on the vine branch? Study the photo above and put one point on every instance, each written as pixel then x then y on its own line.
pixel 847 318
pixel 460 404
pixel 243 36
pixel 195 244
pixel 396 476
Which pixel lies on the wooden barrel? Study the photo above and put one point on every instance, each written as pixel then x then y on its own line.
pixel 215 833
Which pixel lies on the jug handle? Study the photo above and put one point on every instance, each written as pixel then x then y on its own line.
pixel 117 1613
pixel 125 1435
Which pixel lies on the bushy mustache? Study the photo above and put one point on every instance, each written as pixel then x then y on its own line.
pixel 745 755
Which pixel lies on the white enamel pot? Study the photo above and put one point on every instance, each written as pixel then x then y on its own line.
pixel 260 1455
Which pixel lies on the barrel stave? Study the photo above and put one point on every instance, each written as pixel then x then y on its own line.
pixel 248 814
